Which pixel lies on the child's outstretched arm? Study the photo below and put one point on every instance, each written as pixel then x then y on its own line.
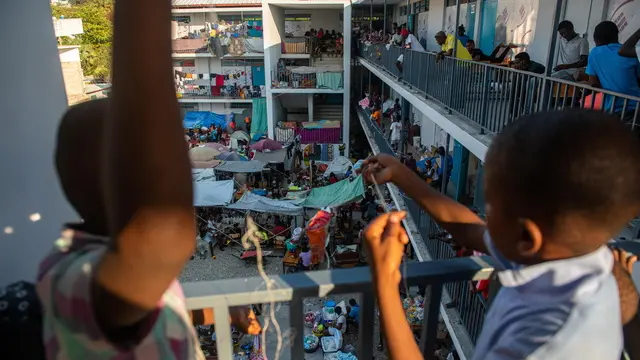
pixel 466 228
pixel 148 186
pixel 386 240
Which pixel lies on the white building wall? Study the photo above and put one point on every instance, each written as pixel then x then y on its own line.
pixel 327 19
pixel 28 178
pixel 273 33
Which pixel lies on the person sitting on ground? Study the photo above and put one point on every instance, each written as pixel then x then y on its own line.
pixel 333 178
pixel 341 321
pixel 547 234
pixel 610 71
pixel 573 52
pixel 305 257
pixel 522 61
pixel 353 312
pixel 349 172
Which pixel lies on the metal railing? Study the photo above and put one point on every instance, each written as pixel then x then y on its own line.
pixel 297 45
pixel 286 79
pixel 205 91
pixel 490 95
pixel 294 288
pixel 470 305
pixel 310 136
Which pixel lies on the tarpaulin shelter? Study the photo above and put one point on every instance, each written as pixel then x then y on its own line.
pixel 277 156
pixel 337 194
pixel 241 166
pixel 241 136
pixel 338 166
pixel 253 202
pixel 203 153
pixel 212 193
pixel 198 119
pixel 221 148
pixel 231 156
pixel 266 144
pixel 201 175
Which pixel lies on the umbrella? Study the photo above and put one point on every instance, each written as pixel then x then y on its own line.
pixel 203 154
pixel 231 156
pixel 241 135
pixel 266 144
pixel 221 148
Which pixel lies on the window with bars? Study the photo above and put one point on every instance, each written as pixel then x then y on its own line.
pixel 453 2
pixel 403 10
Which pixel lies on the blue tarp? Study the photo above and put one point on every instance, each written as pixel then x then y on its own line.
pixel 197 119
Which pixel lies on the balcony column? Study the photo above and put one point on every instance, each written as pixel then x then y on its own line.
pixel 346 93
pixel 371 16
pixel 310 106
pixel 384 24
pixel 32 206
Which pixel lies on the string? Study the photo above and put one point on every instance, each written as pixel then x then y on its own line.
pixel 380 196
pixel 252 237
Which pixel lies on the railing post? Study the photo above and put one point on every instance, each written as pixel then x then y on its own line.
pixel 486 84
pixel 432 299
pixel 445 164
pixel 223 332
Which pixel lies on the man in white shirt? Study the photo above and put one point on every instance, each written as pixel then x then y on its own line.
pixel 573 53
pixel 410 42
pixel 396 129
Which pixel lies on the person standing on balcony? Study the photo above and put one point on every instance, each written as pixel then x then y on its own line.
pixel 548 235
pixel 610 71
pixel 573 53
pixel 446 43
pixel 410 43
pixel 462 37
pixel 397 39
pixel 396 131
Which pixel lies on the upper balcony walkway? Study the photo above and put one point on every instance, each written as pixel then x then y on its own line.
pixel 472 101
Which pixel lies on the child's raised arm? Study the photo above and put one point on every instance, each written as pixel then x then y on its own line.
pixel 386 240
pixel 148 178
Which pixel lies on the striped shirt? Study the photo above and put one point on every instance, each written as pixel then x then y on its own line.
pixel 71 330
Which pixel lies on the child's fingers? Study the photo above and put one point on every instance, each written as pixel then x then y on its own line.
pixel 393 228
pixel 375 229
pixel 404 238
pixel 616 254
pixel 630 261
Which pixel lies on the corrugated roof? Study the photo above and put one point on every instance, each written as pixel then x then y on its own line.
pixel 190 3
pixel 189 45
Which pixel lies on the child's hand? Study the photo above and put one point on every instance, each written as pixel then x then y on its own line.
pixel 386 240
pixel 383 167
pixel 245 319
pixel 622 270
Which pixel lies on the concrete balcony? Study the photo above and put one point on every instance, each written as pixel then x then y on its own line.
pixel 294 288
pixel 472 101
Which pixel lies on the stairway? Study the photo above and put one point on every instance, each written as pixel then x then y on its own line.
pixel 327 112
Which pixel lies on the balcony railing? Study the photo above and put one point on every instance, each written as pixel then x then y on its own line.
pixel 470 305
pixel 297 45
pixel 310 136
pixel 205 90
pixel 294 288
pixel 493 96
pixel 289 79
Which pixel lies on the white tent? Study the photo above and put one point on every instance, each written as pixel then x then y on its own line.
pixel 253 202
pixel 241 166
pixel 338 166
pixel 212 193
pixel 203 175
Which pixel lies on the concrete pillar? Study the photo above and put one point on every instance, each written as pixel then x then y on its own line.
pixel 31 107
pixel 346 56
pixel 274 32
pixel 310 106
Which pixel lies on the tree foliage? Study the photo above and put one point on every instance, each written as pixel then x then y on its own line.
pixel 95 42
